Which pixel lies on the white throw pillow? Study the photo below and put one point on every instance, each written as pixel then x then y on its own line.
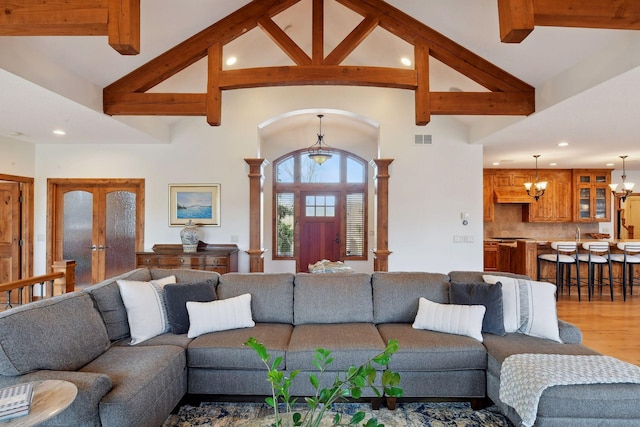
pixel 529 306
pixel 450 318
pixel 219 315
pixel 146 311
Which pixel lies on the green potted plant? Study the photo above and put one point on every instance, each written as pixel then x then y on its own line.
pixel 390 390
pixel 347 384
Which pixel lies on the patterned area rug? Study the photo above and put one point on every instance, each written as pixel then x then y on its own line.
pixel 432 414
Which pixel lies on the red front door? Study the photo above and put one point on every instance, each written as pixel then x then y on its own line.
pixel 319 228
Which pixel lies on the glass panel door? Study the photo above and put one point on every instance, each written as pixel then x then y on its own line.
pixel 585 203
pixel 120 233
pixel 78 233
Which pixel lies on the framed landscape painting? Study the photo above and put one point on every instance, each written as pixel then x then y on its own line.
pixel 199 203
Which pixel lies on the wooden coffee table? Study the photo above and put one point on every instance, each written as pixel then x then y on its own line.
pixel 50 397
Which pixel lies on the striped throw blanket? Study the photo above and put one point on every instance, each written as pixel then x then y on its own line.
pixel 524 377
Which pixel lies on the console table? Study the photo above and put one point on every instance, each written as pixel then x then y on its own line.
pixel 221 258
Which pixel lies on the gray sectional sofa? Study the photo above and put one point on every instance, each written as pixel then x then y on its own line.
pixel 83 337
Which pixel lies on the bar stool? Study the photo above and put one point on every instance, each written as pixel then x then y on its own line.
pixel 566 255
pixel 628 259
pixel 597 254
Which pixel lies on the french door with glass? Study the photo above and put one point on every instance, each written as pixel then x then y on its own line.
pixel 97 223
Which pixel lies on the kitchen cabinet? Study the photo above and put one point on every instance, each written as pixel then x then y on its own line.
pixel 220 258
pixel 592 197
pixel 556 203
pixel 507 257
pixel 487 196
pixel 490 256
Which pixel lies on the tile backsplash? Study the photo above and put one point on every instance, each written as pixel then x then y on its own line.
pixel 508 223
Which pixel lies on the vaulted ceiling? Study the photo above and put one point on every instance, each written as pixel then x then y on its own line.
pixel 583 78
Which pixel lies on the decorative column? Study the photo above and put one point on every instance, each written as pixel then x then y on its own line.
pixel 381 252
pixel 256 251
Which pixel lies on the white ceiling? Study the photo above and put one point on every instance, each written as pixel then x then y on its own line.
pixel 587 81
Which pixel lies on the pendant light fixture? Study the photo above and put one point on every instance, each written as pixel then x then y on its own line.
pixel 318 152
pixel 537 188
pixel 627 187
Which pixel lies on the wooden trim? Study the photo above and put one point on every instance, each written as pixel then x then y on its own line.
pixel 28 221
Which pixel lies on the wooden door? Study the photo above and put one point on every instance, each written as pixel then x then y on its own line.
pixel 99 224
pixel 9 231
pixel 319 228
pixel 632 216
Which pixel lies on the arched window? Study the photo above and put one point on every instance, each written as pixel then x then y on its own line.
pixel 320 211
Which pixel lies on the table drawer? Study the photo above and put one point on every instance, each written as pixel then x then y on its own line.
pixel 174 261
pixel 146 260
pixel 216 260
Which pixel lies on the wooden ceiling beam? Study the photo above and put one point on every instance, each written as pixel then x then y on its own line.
pixel 352 41
pixel 317 32
pixel 422 95
pixel 123 28
pixel 117 19
pixel 440 47
pixel 214 93
pixel 481 103
pixel 155 104
pixel 195 48
pixel 507 94
pixel 518 17
pixel 318 75
pixel 279 37
pixel 516 20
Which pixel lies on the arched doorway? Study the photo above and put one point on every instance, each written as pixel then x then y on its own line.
pixel 319 211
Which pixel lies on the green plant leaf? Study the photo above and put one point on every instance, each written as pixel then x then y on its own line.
pixel 356 418
pixel 313 379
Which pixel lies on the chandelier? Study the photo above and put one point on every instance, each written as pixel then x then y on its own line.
pixel 536 189
pixel 627 187
pixel 317 152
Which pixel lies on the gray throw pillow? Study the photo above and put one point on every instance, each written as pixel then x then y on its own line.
pixel 481 294
pixel 176 297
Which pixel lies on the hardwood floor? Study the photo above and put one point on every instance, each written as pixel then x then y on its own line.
pixel 612 328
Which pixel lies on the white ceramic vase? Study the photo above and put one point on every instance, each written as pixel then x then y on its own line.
pixel 190 236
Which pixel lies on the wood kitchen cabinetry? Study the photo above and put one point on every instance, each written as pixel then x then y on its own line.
pixel 592 195
pixel 210 257
pixel 556 203
pixel 490 256
pixel 572 195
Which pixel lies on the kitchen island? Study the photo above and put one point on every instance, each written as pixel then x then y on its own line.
pixel 521 256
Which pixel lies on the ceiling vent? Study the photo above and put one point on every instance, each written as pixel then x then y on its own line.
pixel 423 139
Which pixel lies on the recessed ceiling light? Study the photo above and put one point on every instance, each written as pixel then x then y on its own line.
pixel 553 164
pixel 610 164
pixel 496 163
pixel 231 60
pixel 563 144
pixel 405 61
pixel 59 132
pixel 15 133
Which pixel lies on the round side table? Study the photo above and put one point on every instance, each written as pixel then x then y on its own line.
pixel 50 397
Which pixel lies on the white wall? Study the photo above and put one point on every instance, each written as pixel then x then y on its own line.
pixel 429 186
pixel 17 157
